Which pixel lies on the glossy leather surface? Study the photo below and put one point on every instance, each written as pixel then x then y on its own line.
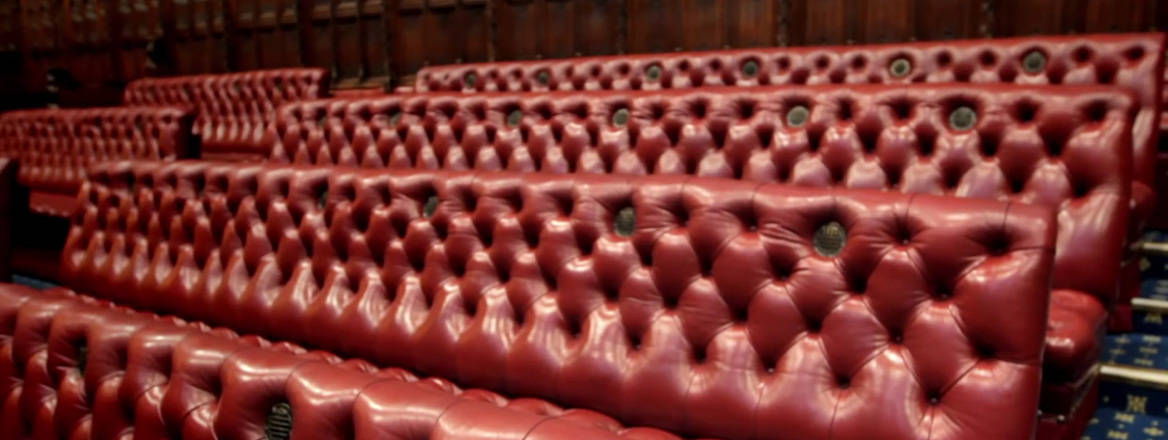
pixel 1132 61
pixel 74 368
pixel 231 109
pixel 1065 147
pixel 716 301
pixel 54 146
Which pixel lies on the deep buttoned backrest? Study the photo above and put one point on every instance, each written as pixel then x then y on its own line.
pixel 1131 61
pixel 86 369
pixel 1065 147
pixel 753 310
pixel 55 146
pixel 232 110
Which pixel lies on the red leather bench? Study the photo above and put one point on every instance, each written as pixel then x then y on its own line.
pixel 705 307
pixel 1132 61
pixel 1064 147
pixel 232 110
pixel 73 367
pixel 53 147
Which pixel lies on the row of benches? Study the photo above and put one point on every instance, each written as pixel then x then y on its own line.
pixel 77 368
pixel 618 292
pixel 755 311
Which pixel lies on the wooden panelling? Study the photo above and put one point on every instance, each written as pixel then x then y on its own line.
pixel 752 23
pixel 822 22
pixel 654 26
pixel 408 42
pixel 887 21
pixel 349 65
pixel 1160 14
pixel 704 24
pixel 600 27
pixel 520 32
pixel 1119 15
pixel 1037 17
pixel 440 32
pixel 105 43
pixel 946 19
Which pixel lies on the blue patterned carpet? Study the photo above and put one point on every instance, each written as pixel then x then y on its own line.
pixel 1114 424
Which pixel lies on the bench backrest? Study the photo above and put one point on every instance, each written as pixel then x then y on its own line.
pixel 53 147
pixel 707 307
pixel 1131 61
pixel 1064 147
pixel 76 368
pixel 233 109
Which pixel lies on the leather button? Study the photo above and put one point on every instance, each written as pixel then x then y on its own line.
pixel 626 221
pixel 1034 62
pixel 653 73
pixel 750 68
pixel 797 116
pixel 900 67
pixel 829 239
pixel 962 118
pixel 279 423
pixel 543 77
pixel 470 79
pixel 896 338
pixel 620 117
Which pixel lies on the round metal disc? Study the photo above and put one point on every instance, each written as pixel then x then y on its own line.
pixel 750 68
pixel 830 238
pixel 900 67
pixel 1034 62
pixel 653 73
pixel 963 118
pixel 626 221
pixel 514 117
pixel 620 117
pixel 797 116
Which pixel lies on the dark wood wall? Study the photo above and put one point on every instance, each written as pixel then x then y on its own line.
pixel 93 47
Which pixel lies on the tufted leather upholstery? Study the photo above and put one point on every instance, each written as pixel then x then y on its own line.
pixel 521 283
pixel 1065 147
pixel 1132 61
pixel 54 146
pixel 232 109
pixel 76 368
